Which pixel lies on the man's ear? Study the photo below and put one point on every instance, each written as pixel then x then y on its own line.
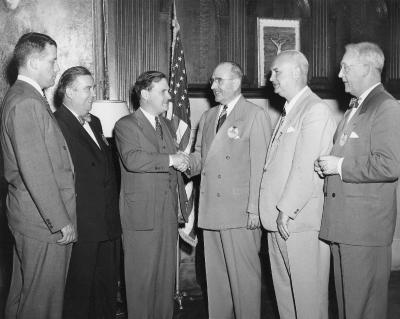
pixel 296 72
pixel 69 92
pixel 33 62
pixel 145 94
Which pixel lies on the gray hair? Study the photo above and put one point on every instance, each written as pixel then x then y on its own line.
pixel 368 52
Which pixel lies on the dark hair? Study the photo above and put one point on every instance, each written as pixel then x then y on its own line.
pixel 67 78
pixel 145 80
pixel 29 43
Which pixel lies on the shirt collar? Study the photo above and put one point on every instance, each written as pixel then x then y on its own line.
pixel 32 82
pixel 289 105
pixel 230 105
pixel 366 92
pixel 150 117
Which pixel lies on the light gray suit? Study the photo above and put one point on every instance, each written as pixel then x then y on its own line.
pixel 40 202
pixel 300 265
pixel 230 163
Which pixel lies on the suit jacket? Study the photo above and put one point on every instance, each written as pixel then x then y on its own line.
pixel 231 163
pixel 289 182
pixel 147 180
pixel 360 208
pixel 37 166
pixel 95 180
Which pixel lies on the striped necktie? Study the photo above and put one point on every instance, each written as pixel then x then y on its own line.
pixel 222 117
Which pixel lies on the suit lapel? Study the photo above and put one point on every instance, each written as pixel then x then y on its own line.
pixel 79 131
pixel 147 129
pixel 344 128
pixel 233 119
pixel 289 120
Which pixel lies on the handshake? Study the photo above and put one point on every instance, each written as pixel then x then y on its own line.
pixel 180 161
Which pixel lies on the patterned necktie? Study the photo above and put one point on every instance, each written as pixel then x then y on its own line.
pixel 85 118
pixel 159 131
pixel 353 103
pixel 222 117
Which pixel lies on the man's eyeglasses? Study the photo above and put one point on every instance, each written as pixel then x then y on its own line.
pixel 346 67
pixel 219 80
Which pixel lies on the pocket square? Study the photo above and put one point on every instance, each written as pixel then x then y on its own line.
pixel 353 135
pixel 290 129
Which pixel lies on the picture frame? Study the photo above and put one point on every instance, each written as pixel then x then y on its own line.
pixel 274 36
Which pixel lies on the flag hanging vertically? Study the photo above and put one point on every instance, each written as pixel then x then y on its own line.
pixel 179 115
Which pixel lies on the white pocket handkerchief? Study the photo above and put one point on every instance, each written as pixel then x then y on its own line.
pixel 290 129
pixel 353 135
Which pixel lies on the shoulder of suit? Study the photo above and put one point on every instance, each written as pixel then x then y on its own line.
pixel 127 119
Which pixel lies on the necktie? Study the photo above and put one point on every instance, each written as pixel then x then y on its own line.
pixel 159 131
pixel 282 119
pixel 222 117
pixel 84 118
pixel 353 103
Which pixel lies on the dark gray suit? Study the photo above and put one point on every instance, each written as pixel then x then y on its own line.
pixel 149 208
pixel 40 202
pixel 359 214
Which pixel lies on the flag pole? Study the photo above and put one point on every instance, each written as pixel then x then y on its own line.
pixel 178 294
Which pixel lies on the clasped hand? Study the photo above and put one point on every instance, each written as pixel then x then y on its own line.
pixel 326 165
pixel 180 161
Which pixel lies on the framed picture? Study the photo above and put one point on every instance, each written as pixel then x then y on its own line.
pixel 274 36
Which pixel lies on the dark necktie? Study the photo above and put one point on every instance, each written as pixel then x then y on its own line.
pixel 159 131
pixel 282 119
pixel 222 117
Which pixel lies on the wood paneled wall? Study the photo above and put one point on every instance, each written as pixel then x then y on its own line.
pixel 217 30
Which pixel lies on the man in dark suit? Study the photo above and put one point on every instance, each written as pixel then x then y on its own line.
pixel 41 190
pixel 359 213
pixel 149 200
pixel 91 286
pixel 230 154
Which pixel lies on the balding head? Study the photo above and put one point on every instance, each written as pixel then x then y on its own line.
pixel 289 73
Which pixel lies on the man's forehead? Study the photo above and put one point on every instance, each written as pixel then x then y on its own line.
pixel 160 85
pixel 280 63
pixel 222 70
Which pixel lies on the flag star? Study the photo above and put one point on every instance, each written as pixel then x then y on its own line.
pixel 183 71
pixel 181 51
pixel 175 91
pixel 176 64
pixel 179 104
pixel 181 78
pixel 180 58
pixel 183 98
pixel 172 75
pixel 178 85
pixel 185 91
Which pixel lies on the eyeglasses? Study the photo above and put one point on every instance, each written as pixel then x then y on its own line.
pixel 346 67
pixel 219 80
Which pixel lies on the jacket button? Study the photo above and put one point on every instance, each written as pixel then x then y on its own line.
pixel 204 174
pixel 64 147
pixel 218 195
pixel 228 157
pixel 219 176
pixel 92 163
pixel 333 194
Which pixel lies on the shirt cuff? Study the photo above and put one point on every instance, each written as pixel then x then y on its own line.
pixel 170 160
pixel 339 166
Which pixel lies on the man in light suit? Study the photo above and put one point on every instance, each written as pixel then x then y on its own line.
pixel 362 172
pixel 41 191
pixel 151 191
pixel 230 153
pixel 291 195
pixel 91 287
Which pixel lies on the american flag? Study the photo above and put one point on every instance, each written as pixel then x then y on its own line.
pixel 179 115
